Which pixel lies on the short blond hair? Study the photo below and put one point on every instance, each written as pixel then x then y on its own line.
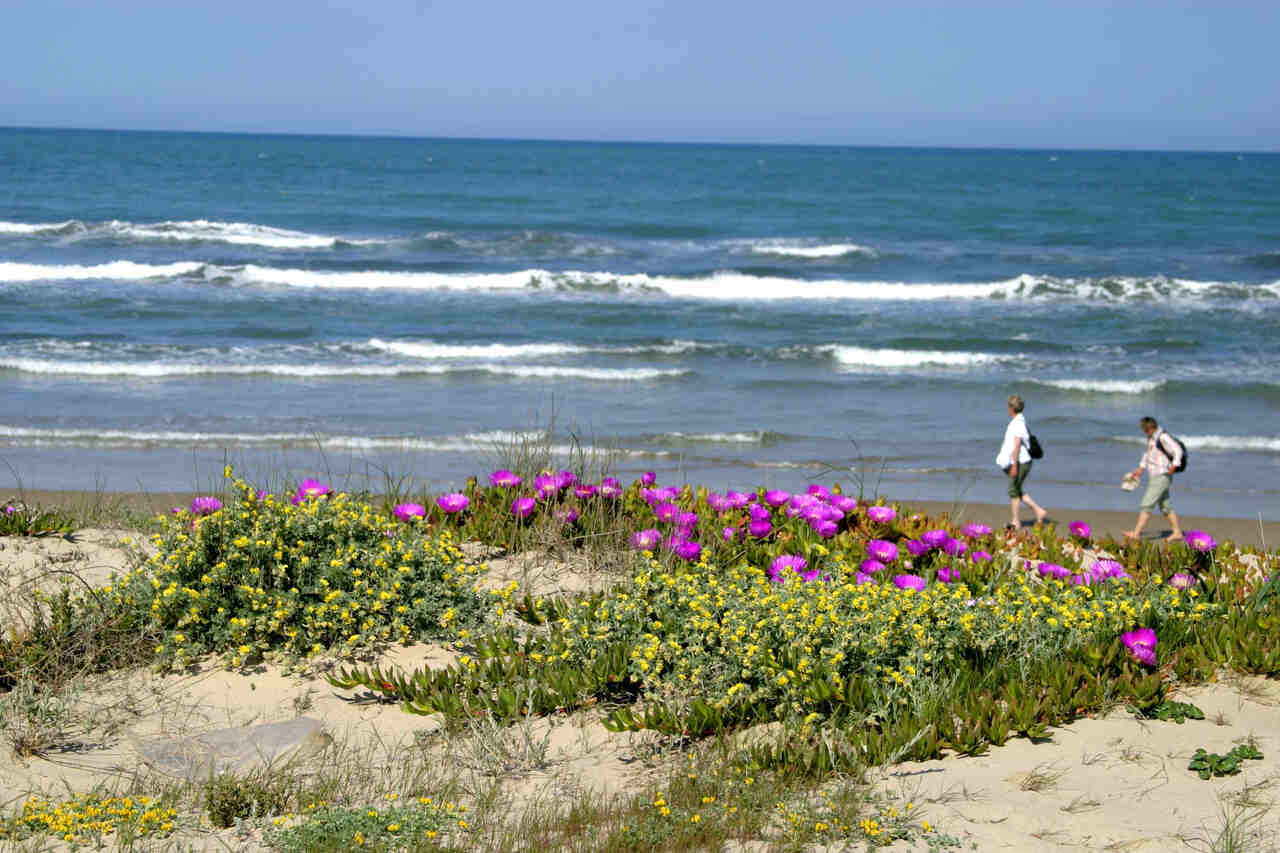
pixel 1016 403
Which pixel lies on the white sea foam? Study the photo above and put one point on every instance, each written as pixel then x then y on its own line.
pixel 114 270
pixel 1104 386
pixel 235 233
pixel 431 350
pixel 725 286
pixel 468 443
pixel 157 370
pixel 33 227
pixel 834 250
pixel 1256 443
pixel 719 437
pixel 889 358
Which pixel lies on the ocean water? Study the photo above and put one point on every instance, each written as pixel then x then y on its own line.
pixel 727 315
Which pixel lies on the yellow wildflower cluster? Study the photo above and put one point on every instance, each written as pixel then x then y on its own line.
pixel 86 817
pixel 738 636
pixel 266 574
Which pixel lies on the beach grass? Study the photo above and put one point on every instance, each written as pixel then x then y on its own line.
pixel 762 702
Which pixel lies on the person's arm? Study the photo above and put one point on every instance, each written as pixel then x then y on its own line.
pixel 1017 450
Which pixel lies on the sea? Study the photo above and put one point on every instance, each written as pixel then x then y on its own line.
pixel 387 311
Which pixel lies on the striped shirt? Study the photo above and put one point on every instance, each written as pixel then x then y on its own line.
pixel 1159 459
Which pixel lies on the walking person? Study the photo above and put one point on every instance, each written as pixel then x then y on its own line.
pixel 1015 460
pixel 1162 459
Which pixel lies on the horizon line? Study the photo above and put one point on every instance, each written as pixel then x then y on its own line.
pixel 674 143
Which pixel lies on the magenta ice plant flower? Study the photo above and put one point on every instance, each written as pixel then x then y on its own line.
pixel 523 507
pixel 861 578
pixel 946 574
pixel 610 488
pixel 737 500
pixel 205 506
pixel 648 478
pixel 882 550
pixel 935 538
pixel 453 503
pixel 646 540
pixel 505 479
pixel 309 489
pixel 916 548
pixel 786 563
pixel 975 530
pixel 844 503
pixel 584 491
pixel 955 547
pixel 408 512
pixel 666 512
pixel 1200 541
pixel 760 528
pixel 909 582
pixel 566 515
pixel 730 533
pixel 1053 570
pixel 758 512
pixel 870 566
pixel 881 514
pixel 825 529
pixel 1183 580
pixel 776 497
pixel 718 502
pixel 688 550
pixel 1080 529
pixel 980 557
pixel 1141 644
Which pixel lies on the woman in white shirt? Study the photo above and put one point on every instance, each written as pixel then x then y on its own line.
pixel 1015 460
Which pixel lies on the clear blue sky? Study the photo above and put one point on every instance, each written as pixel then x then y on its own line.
pixel 1071 73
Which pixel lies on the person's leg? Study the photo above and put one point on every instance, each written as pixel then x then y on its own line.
pixel 1166 506
pixel 1040 512
pixel 1013 512
pixel 1136 532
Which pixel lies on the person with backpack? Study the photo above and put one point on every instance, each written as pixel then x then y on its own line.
pixel 1164 457
pixel 1016 452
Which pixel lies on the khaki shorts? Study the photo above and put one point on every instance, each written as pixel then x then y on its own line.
pixel 1157 494
pixel 1015 483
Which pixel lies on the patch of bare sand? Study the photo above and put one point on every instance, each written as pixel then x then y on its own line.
pixel 1110 784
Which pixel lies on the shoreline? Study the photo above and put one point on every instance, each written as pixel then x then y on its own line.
pixel 1255 532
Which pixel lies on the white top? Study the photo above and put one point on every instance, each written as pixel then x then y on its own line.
pixel 1017 428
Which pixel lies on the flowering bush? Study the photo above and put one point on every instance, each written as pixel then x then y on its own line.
pixel 293 577
pixel 90 818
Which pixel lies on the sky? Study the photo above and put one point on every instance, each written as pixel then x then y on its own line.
pixel 1149 74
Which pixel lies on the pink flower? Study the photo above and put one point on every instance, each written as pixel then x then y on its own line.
pixel 946 574
pixel 861 578
pixel 909 582
pixel 1200 541
pixel 1080 529
pixel 974 530
pixel 454 502
pixel 980 557
pixel 646 540
pixel 688 551
pixel 776 497
pixel 648 478
pixel 309 489
pixel 610 488
pixel 1183 580
pixel 935 538
pixel 881 514
pixel 1141 644
pixel 523 507
pixel 955 547
pixel 870 566
pixel 786 563
pixel 408 512
pixel 730 533
pixel 666 512
pixel 760 529
pixel 584 491
pixel 205 506
pixel 917 548
pixel 879 549
pixel 505 479
pixel 566 515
